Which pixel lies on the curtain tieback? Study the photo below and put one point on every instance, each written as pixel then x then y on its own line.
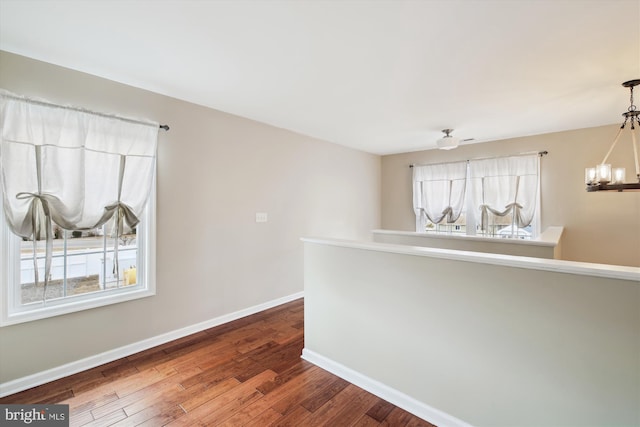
pixel 123 212
pixel 516 208
pixel 485 209
pixel 484 216
pixel 448 213
pixel 41 199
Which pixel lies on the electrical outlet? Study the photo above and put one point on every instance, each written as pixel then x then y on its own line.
pixel 261 217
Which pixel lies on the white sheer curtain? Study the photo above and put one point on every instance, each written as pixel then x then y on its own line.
pixel 71 167
pixel 439 192
pixel 505 185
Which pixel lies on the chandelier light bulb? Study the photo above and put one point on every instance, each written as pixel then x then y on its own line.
pixel 603 172
pixel 590 176
pixel 619 175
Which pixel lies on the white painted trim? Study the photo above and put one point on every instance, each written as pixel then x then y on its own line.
pixel 12 312
pixel 24 383
pixel 383 391
pixel 75 304
pixel 555 265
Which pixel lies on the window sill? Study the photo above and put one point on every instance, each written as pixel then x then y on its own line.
pixel 550 237
pixel 547 245
pixel 83 303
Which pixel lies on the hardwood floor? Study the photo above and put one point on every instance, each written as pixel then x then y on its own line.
pixel 244 373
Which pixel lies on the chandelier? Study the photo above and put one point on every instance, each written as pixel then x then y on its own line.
pixel 602 177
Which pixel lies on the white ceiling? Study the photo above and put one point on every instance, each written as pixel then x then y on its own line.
pixel 380 76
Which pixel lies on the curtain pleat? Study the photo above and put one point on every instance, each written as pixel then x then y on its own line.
pixel 503 186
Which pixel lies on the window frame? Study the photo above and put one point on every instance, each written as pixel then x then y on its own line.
pixel 13 312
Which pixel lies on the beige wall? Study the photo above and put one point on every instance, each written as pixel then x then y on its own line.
pixel 598 227
pixel 492 342
pixel 215 171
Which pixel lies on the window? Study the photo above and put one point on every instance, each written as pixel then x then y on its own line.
pixel 82 270
pixel 81 263
pixel 457 227
pixel 495 197
pixel 77 213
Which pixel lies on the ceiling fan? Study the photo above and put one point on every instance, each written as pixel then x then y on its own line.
pixel 449 142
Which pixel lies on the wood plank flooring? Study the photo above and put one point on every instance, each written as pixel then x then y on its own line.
pixel 244 373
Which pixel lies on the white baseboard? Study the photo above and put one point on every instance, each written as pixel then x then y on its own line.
pixel 401 400
pixel 58 372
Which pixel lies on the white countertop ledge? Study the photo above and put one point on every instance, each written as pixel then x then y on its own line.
pixel 560 266
pixel 549 237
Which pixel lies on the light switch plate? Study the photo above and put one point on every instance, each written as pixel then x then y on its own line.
pixel 261 217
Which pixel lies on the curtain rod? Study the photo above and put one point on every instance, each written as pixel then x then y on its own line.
pixel 539 153
pixel 82 110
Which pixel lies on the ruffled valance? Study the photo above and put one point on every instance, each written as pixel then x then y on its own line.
pixel 72 168
pixel 439 191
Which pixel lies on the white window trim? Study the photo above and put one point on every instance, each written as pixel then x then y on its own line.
pixel 11 311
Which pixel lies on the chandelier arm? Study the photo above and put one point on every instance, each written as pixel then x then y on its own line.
pixel 615 141
pixel 635 152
